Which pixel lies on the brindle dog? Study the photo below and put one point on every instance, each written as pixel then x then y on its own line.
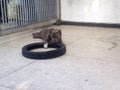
pixel 49 36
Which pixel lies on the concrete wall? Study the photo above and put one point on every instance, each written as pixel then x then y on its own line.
pixel 99 11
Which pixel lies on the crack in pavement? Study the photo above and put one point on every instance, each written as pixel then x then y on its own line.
pixel 17 70
pixel 7 87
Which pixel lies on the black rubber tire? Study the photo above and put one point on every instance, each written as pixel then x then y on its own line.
pixel 59 51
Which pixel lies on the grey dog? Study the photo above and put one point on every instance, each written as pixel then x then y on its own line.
pixel 49 36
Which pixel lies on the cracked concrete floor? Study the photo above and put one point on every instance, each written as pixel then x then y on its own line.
pixel 92 61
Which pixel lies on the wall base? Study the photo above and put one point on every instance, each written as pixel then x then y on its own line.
pixel 107 25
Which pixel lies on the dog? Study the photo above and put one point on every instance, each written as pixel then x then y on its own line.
pixel 49 36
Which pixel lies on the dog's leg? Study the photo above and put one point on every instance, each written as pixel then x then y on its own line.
pixel 46 39
pixel 45 44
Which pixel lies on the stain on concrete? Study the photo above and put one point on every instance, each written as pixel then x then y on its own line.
pixel 114 41
pixel 86 80
pixel 114 45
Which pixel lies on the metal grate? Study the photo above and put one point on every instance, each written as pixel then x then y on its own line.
pixel 16 13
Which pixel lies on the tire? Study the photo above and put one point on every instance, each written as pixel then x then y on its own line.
pixel 59 51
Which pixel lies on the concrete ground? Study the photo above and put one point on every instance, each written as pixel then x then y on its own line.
pixel 92 61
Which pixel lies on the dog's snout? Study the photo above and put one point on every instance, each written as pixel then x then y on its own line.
pixel 35 35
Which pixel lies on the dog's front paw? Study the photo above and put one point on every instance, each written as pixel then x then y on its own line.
pixel 45 45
